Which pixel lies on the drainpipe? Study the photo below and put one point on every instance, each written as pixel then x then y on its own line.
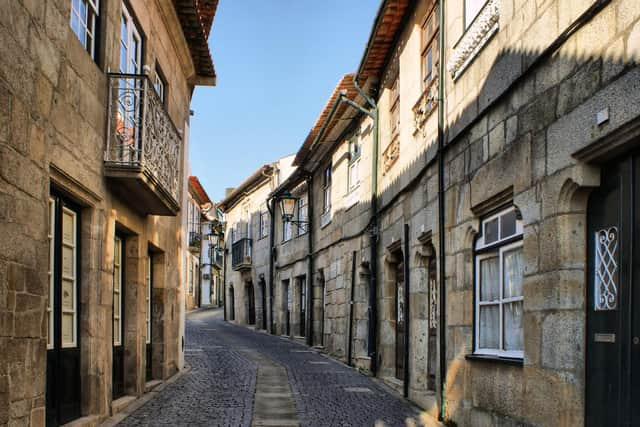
pixel 309 326
pixel 441 210
pixel 224 281
pixel 271 206
pixel 372 303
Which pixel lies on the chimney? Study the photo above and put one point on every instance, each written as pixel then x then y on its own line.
pixel 228 191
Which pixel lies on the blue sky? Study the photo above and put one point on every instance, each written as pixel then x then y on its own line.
pixel 277 62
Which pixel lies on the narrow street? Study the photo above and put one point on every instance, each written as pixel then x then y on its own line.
pixel 292 384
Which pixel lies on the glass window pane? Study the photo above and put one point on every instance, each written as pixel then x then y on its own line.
pixel 68 328
pixel 513 326
pixel 489 327
pixel 512 273
pixel 489 280
pixel 67 262
pixel 491 231
pixel 67 228
pixel 508 224
pixel 67 295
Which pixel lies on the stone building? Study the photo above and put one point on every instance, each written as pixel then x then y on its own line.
pixel 504 174
pixel 94 124
pixel 247 231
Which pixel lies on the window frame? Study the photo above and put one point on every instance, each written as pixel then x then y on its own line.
pixel 482 252
pixel 287 231
pixel 133 32
pixel 354 163
pixel 264 225
pixel 429 43
pixel 160 78
pixel 91 19
pixel 326 189
pixel 394 109
pixel 302 229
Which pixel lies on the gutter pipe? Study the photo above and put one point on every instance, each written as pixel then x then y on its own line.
pixel 441 212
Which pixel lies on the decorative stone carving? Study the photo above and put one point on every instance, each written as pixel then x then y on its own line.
pixel 425 106
pixel 477 35
pixel 391 155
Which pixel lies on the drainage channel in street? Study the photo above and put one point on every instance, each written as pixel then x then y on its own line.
pixel 273 403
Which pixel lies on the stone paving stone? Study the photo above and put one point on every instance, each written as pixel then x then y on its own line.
pixel 219 389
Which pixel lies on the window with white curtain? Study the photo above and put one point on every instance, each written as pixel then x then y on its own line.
pixel 302 214
pixel 498 286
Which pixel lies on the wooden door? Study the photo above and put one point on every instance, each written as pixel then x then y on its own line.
pixel 149 318
pixel 117 369
pixel 251 304
pixel 613 297
pixel 400 320
pixel 303 306
pixel 63 312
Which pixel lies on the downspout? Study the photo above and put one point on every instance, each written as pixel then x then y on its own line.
pixel 309 326
pixel 441 211
pixel 271 207
pixel 224 282
pixel 373 299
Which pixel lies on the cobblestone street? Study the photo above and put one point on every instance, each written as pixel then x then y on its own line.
pixel 219 388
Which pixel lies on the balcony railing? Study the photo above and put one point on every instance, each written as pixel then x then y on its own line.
pixel 215 255
pixel 142 140
pixel 241 254
pixel 194 240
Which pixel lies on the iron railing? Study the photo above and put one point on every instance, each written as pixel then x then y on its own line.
pixel 141 134
pixel 241 253
pixel 194 240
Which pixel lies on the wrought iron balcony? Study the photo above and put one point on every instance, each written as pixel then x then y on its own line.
pixel 194 241
pixel 143 151
pixel 241 254
pixel 215 256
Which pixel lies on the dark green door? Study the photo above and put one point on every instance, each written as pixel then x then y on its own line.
pixel 613 297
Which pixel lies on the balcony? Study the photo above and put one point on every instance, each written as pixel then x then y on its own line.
pixel 215 255
pixel 241 254
pixel 194 241
pixel 142 159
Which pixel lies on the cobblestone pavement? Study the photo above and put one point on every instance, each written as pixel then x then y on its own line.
pixel 219 388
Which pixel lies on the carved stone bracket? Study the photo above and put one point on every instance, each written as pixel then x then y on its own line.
pixel 477 35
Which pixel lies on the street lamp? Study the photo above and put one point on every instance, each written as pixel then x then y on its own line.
pixel 288 205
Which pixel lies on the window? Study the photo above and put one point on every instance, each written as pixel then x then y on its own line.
pixel 429 47
pixel 264 224
pixel 287 230
pixel 326 190
pixel 83 23
pixel 130 45
pixel 471 10
pixel 160 85
pixel 394 117
pixel 353 178
pixel 302 215
pixel 498 292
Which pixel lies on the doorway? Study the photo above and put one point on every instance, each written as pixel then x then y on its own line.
pixel 149 318
pixel 400 320
pixel 232 304
pixel 263 292
pixel 251 303
pixel 117 387
pixel 302 284
pixel 613 297
pixel 287 306
pixel 63 339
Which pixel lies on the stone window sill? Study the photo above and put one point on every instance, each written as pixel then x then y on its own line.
pixel 515 361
